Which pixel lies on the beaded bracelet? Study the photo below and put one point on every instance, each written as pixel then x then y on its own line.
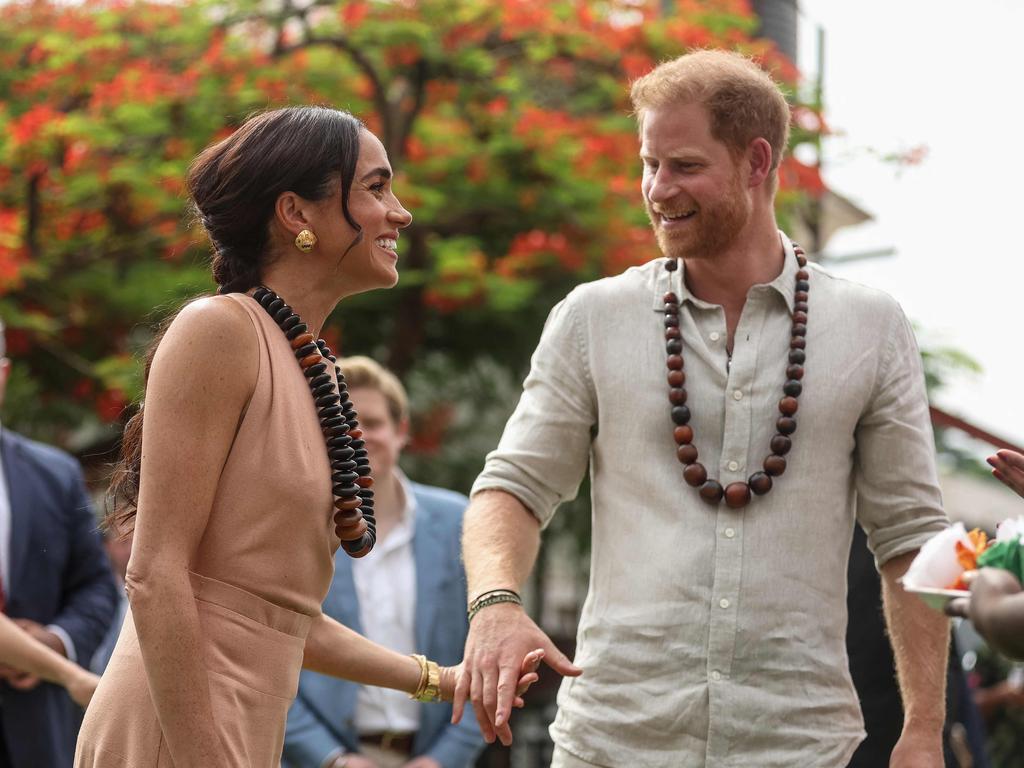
pixel 493 597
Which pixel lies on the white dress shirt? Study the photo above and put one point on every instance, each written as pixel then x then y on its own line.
pixel 385 582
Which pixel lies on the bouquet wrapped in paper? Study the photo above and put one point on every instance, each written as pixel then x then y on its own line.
pixel 937 571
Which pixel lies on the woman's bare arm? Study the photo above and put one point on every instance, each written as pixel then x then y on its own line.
pixel 23 652
pixel 202 376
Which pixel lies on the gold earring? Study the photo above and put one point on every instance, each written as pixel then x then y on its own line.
pixel 305 241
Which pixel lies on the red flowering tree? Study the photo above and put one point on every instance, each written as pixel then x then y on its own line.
pixel 507 122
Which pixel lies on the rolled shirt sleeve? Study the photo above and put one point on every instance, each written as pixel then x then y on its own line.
pixel 899 503
pixel 545 447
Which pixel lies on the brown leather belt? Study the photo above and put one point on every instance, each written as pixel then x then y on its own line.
pixel 395 742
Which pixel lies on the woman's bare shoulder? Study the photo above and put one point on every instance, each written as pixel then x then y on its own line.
pixel 210 337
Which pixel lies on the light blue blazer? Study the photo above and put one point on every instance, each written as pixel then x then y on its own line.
pixel 322 718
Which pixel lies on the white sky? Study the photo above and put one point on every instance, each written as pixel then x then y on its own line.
pixel 948 75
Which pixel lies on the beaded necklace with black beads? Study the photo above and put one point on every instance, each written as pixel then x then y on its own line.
pixel 351 482
pixel 738 494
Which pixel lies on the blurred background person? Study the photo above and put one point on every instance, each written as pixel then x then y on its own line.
pixel 408 593
pixel 119 550
pixel 55 584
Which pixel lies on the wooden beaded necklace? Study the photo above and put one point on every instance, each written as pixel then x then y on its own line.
pixel 738 494
pixel 351 482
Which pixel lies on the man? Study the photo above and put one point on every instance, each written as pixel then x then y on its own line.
pixel 54 582
pixel 409 594
pixel 713 631
pixel 119 550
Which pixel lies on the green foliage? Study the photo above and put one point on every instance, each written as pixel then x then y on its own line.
pixel 508 123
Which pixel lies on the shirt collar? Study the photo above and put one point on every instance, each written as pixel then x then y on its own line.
pixel 665 281
pixel 403 531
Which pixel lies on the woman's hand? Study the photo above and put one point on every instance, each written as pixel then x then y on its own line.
pixel 995 608
pixel 81 686
pixel 527 677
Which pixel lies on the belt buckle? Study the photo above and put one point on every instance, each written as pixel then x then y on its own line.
pixel 388 738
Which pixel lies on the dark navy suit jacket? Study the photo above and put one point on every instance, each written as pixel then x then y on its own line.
pixel 323 715
pixel 58 575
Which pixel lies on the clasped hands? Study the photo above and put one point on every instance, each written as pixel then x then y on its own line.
pixel 503 651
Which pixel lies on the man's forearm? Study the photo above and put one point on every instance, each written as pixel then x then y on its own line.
pixel 500 540
pixel 920 644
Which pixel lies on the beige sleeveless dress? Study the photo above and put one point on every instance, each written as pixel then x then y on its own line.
pixel 263 567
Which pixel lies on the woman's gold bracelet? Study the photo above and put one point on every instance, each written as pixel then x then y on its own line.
pixel 429 688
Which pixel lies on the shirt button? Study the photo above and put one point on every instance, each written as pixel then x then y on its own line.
pixel 716 675
pixel 724 602
pixel 737 394
pixel 714 335
pixel 729 533
pixel 733 466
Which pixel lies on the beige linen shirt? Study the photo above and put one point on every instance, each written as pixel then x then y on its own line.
pixel 710 636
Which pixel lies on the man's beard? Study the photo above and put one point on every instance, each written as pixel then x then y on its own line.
pixel 714 228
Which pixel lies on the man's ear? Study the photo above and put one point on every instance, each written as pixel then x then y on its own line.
pixel 759 155
pixel 292 212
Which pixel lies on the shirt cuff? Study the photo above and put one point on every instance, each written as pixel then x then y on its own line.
pixel 331 757
pixel 69 646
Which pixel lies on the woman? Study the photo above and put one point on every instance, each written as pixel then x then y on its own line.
pixel 229 487
pixel 21 651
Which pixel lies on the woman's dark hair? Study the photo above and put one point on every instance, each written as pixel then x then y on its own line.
pixel 234 185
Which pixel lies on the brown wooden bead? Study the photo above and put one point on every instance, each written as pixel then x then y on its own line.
pixel 775 465
pixel 676 378
pixel 797 342
pixel 344 505
pixel 780 445
pixel 802 274
pixel 786 425
pixel 737 495
pixel 788 406
pixel 801 259
pixel 671 265
pixel 302 340
pixel 671 308
pixel 695 475
pixel 363 552
pixel 675 362
pixel 677 396
pixel 674 346
pixel 365 482
pixel 311 360
pixel 795 372
pixel 687 454
pixel 671 321
pixel 800 306
pixel 797 356
pixel 347 517
pixel 799 317
pixel 351 532
pixel 683 434
pixel 800 296
pixel 760 483
pixel 793 388
pixel 799 329
pixel 711 492
pixel 670 298
pixel 673 333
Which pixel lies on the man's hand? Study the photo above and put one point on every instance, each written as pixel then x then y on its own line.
pixel 918 747
pixel 423 762
pixel 995 608
pixel 500 637
pixel 1008 468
